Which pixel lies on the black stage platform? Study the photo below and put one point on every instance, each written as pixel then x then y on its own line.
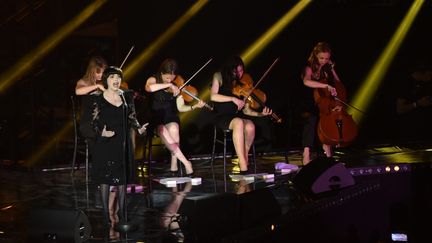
pixel 391 194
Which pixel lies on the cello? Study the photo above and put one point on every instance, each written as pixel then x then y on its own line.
pixel 335 127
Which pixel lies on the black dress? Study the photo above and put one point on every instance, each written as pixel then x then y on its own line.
pixel 85 127
pixel 164 108
pixel 225 111
pixel 109 154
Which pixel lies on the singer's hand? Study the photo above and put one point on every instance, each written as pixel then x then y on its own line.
pixel 106 133
pixel 143 128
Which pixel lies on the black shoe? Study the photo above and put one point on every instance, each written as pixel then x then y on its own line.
pixel 174 173
pixel 190 175
pixel 244 172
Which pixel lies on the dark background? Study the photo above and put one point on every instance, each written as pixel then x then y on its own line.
pixel 37 105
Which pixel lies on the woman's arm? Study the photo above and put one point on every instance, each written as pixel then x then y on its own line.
pixel 307 81
pixel 216 97
pixel 153 86
pixel 82 88
pixel 247 110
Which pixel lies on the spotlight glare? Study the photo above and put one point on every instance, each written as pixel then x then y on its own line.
pixel 368 89
pixel 27 62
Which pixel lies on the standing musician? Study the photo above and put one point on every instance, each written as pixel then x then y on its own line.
pixel 90 84
pixel 319 67
pixel 166 102
pixel 227 107
pixel 87 88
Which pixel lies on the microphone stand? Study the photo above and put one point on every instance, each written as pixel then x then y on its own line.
pixel 125 226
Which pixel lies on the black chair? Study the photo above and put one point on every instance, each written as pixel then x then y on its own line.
pixel 78 141
pixel 223 137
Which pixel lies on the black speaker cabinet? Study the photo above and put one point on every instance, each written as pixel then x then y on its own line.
pixel 257 206
pixel 59 225
pixel 323 175
pixel 209 217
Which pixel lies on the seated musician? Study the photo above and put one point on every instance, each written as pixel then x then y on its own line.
pixel 166 102
pixel 228 105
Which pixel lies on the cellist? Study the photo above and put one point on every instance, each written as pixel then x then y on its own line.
pixel 319 67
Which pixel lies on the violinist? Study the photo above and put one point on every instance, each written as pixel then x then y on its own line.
pixel 319 67
pixel 232 111
pixel 166 101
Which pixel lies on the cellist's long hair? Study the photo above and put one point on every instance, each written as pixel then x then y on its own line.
pixel 313 63
pixel 95 65
pixel 318 48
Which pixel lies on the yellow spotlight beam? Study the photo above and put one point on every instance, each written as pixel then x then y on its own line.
pixel 25 64
pixel 42 151
pixel 256 48
pixel 149 52
pixel 363 97
pixel 263 41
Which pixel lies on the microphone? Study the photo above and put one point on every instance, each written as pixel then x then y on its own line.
pixel 121 93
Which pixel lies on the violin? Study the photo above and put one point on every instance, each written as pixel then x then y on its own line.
pixel 254 97
pixel 335 126
pixel 188 92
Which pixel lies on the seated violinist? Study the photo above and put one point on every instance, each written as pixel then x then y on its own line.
pixel 165 104
pixel 227 105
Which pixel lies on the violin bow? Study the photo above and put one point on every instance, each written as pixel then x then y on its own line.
pixel 343 102
pixel 124 60
pixel 262 78
pixel 199 70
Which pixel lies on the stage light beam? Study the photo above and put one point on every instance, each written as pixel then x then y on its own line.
pixel 258 46
pixel 150 51
pixel 18 70
pixel 363 98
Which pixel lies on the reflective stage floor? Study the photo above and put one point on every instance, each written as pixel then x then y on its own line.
pixel 390 197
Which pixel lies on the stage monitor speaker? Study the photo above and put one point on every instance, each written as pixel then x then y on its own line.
pixel 323 175
pixel 58 225
pixel 209 217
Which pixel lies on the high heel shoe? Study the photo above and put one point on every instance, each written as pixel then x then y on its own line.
pixel 190 175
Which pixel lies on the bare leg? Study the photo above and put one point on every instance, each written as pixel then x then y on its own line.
pixel 121 192
pixel 174 166
pixel 306 155
pixel 170 137
pixel 237 127
pixel 249 133
pixel 113 207
pixel 327 150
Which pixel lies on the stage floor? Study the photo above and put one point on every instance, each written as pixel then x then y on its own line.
pixel 392 193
